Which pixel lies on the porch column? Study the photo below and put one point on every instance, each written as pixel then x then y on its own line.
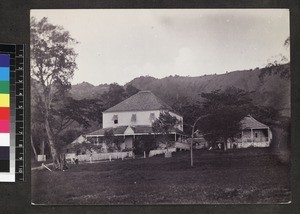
pixel 252 135
pixel 242 136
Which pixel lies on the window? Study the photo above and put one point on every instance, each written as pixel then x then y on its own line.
pixel 152 117
pixel 115 119
pixel 133 118
pixel 181 123
pixel 256 135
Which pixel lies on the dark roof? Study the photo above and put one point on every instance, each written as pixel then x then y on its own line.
pixel 137 130
pixel 249 122
pixel 142 101
pixel 116 130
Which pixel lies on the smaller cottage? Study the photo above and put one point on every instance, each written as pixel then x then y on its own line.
pixel 254 134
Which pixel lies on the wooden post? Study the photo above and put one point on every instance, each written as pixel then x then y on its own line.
pixel 46 167
pixel 109 157
pixel 252 136
pixel 43 147
pixel 193 130
pixel 192 158
pixel 242 137
pixel 34 150
pixel 144 154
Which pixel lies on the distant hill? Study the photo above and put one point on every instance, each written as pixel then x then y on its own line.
pixel 270 86
pixel 87 90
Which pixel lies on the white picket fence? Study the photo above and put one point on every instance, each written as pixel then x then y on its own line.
pixel 112 155
pixel 160 151
pixel 183 146
pixel 100 156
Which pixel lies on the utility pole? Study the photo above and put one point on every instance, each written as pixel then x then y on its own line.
pixel 193 131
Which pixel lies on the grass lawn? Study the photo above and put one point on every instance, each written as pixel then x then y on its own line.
pixel 239 176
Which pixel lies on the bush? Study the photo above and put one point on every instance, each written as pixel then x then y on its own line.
pixel 127 150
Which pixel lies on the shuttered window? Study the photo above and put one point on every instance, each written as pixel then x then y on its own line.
pixel 152 117
pixel 115 119
pixel 133 118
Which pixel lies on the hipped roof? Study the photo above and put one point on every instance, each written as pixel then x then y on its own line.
pixel 249 122
pixel 142 101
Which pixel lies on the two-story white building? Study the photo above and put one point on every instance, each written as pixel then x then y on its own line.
pixel 133 118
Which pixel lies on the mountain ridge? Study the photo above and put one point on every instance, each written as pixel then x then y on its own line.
pixel 270 86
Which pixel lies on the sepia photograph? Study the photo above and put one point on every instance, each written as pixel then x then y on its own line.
pixel 160 106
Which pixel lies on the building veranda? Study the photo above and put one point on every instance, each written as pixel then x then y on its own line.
pixel 128 125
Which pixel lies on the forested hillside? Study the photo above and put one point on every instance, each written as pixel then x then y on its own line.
pixel 269 86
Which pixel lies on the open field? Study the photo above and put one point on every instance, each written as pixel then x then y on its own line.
pixel 239 176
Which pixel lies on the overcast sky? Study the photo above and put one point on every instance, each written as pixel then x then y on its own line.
pixel 119 45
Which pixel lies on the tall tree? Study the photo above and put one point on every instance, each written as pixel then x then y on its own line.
pixel 165 124
pixel 131 90
pixel 225 110
pixel 281 58
pixel 52 61
pixel 114 95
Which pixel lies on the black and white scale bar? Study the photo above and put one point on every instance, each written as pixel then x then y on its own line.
pixel 19 106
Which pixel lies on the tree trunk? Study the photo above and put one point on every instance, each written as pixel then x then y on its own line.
pixel 33 148
pixel 43 148
pixel 192 157
pixel 54 153
pixel 225 144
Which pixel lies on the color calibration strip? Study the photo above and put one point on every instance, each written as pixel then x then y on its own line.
pixel 18 85
pixel 5 119
pixel 11 112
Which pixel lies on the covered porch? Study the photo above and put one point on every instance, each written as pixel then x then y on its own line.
pixel 129 137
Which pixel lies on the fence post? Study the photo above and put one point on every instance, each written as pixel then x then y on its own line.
pixel 109 157
pixel 144 154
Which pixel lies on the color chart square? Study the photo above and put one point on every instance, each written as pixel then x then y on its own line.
pixel 4 60
pixel 4 139
pixel 4 87
pixel 4 153
pixel 4 113
pixel 4 165
pixel 4 126
pixel 4 100
pixel 4 159
pixel 4 74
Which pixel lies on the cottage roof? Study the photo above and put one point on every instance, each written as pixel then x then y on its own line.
pixel 116 130
pixel 80 139
pixel 249 122
pixel 120 130
pixel 142 101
